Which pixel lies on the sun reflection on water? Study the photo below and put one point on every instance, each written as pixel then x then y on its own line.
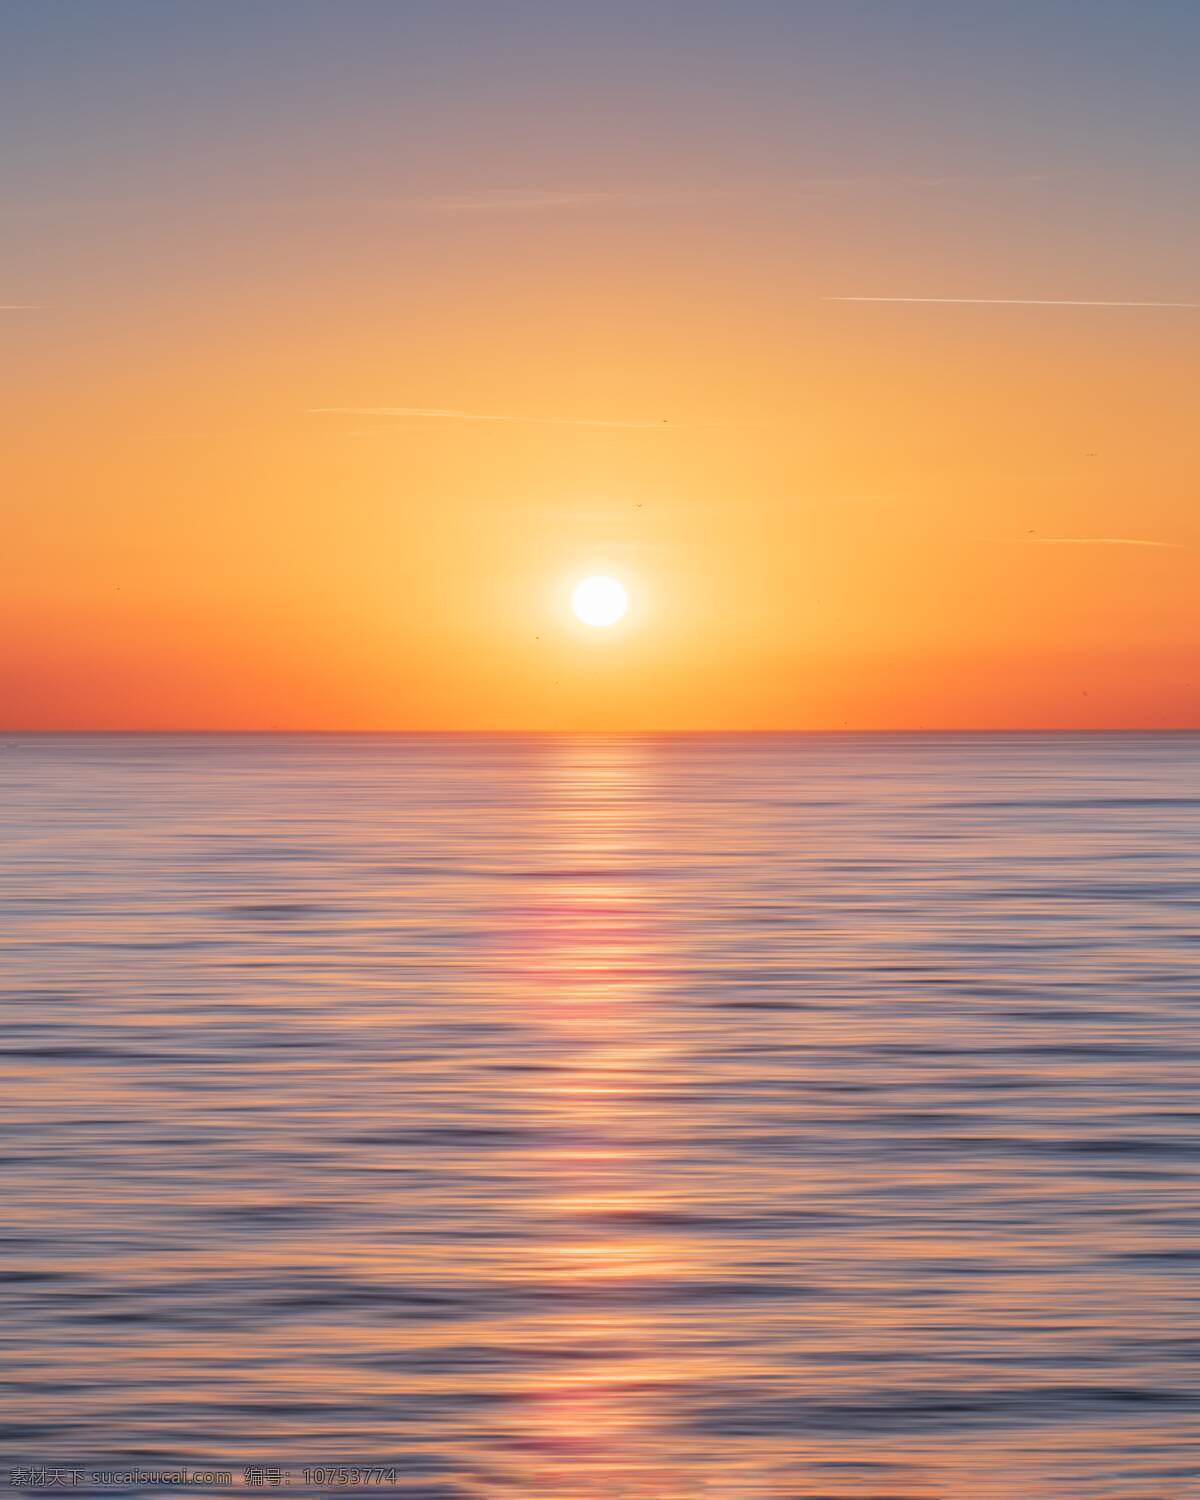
pixel 593 1423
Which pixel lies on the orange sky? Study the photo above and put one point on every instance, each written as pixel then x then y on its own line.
pixel 828 513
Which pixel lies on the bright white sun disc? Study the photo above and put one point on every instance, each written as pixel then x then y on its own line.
pixel 599 601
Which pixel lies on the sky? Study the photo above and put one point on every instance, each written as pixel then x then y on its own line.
pixel 858 340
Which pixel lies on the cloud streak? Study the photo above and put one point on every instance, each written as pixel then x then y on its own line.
pixel 437 413
pixel 1010 302
pixel 517 200
pixel 1096 541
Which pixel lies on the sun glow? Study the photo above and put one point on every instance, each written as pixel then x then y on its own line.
pixel 599 601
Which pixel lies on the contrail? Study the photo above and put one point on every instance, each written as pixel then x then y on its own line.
pixel 1010 302
pixel 1096 541
pixel 476 416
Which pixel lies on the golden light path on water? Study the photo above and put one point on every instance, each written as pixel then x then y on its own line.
pixel 591 966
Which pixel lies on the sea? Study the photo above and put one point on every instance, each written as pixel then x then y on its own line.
pixel 697 1117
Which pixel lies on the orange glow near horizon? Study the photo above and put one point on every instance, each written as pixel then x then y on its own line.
pixel 326 572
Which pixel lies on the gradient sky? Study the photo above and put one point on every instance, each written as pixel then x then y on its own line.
pixel 249 245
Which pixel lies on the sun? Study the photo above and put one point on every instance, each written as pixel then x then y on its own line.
pixel 599 601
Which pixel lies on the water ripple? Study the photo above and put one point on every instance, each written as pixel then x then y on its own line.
pixel 758 1117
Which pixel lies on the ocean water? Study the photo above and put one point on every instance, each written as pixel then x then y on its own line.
pixel 743 1117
